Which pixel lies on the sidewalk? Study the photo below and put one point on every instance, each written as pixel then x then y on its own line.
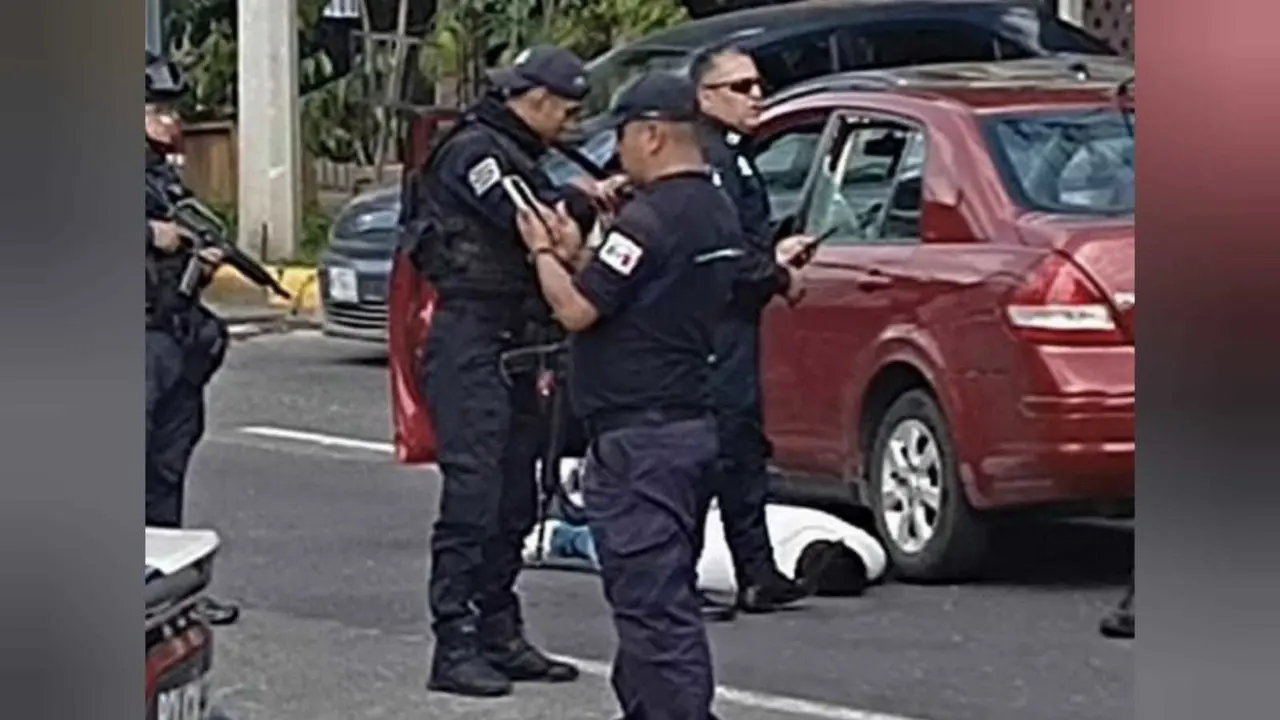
pixel 250 310
pixel 248 319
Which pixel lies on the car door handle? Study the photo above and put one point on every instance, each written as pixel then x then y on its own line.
pixel 874 281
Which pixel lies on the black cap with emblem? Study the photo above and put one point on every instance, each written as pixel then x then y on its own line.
pixel 559 71
pixel 655 95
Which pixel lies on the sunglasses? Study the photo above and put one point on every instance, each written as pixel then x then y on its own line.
pixel 741 86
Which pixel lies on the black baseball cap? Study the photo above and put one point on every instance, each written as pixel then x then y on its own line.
pixel 165 82
pixel 654 95
pixel 559 71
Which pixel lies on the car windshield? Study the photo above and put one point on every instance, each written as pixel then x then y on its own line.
pixel 1078 162
pixel 612 70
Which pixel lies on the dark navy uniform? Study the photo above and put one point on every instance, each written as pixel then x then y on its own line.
pixel 640 384
pixel 489 434
pixel 741 486
pixel 185 344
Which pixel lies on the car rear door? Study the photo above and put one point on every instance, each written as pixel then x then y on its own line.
pixel 858 283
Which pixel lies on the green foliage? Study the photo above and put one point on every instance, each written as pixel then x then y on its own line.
pixel 469 35
pixel 316 224
pixel 203 43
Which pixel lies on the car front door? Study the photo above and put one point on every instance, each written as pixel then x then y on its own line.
pixel 784 157
pixel 858 283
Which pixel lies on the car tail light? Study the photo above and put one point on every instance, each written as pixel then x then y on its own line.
pixel 1059 305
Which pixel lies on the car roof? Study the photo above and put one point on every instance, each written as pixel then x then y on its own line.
pixel 981 86
pixel 762 24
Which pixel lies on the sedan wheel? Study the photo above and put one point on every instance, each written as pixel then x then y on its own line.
pixel 911 486
pixel 929 529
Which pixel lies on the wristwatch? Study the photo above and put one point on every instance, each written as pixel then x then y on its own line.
pixel 545 249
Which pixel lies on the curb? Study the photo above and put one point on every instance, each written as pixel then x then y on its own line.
pixel 227 286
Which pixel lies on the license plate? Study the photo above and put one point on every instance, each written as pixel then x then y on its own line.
pixel 343 286
pixel 374 291
pixel 185 702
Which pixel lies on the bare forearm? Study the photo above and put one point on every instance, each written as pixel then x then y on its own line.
pixel 567 304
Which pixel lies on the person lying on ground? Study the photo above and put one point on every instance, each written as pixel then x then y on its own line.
pixel 827 555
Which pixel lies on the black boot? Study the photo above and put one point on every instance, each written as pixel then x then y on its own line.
pixel 1120 623
pixel 459 668
pixel 217 612
pixel 505 648
pixel 772 593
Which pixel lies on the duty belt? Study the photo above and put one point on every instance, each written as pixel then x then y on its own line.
pixel 609 420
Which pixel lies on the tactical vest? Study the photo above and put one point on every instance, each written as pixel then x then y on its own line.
pixel 459 253
pixel 164 271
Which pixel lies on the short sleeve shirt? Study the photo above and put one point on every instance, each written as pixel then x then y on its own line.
pixel 659 280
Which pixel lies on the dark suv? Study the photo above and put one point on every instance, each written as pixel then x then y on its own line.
pixel 791 42
pixel 798 41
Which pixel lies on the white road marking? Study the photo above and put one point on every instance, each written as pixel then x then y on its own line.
pixel 319 439
pixel 746 698
pixel 758 700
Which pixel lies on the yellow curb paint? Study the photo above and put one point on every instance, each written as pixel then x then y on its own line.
pixel 300 282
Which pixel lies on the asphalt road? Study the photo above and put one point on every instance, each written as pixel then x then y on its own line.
pixel 325 546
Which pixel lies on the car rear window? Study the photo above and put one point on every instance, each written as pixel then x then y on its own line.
pixel 1066 162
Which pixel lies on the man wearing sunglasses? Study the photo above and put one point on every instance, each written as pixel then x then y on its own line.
pixel 462 235
pixel 729 93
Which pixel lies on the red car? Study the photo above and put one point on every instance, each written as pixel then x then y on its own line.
pixel 966 344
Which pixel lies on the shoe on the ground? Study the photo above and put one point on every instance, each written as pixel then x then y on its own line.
pixel 773 594
pixel 504 648
pixel 218 612
pixel 459 668
pixel 1120 623
pixel 717 612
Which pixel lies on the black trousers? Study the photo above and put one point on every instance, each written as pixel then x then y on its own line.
pixel 643 487
pixel 489 436
pixel 740 483
pixel 175 424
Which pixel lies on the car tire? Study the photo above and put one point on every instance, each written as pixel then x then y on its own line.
pixel 955 543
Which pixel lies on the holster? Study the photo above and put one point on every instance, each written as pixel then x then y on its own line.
pixel 204 341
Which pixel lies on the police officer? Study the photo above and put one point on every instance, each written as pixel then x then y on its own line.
pixel 184 341
pixel 642 307
pixel 729 90
pixel 464 240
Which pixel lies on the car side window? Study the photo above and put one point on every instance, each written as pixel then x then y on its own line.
pixel 783 162
pixel 895 44
pixel 865 189
pixel 797 58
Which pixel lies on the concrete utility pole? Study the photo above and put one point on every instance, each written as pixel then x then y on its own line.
pixel 270 149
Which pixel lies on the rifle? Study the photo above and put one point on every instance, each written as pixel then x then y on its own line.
pixel 168 199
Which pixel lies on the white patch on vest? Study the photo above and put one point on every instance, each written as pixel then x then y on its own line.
pixel 744 167
pixel 484 175
pixel 716 179
pixel 732 139
pixel 620 253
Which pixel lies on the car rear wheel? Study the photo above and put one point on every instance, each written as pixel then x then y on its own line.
pixel 929 529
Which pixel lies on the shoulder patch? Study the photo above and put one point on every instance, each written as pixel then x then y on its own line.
pixel 620 253
pixel 484 175
pixel 744 167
